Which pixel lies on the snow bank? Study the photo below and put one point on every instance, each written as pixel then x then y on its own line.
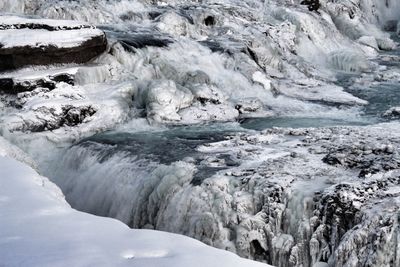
pixel 38 228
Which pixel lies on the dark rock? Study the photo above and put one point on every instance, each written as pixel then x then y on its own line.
pixel 393 113
pixel 378 159
pixel 209 21
pixel 48 119
pixel 42 26
pixel 213 46
pixel 313 5
pixel 143 40
pixel 14 86
pixel 75 115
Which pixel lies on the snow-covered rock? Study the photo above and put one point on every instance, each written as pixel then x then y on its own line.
pixel 25 41
pixel 31 78
pixel 393 112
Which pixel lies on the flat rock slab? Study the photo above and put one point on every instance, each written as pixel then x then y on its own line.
pixel 25 41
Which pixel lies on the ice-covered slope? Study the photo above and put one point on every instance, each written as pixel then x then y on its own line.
pixel 38 228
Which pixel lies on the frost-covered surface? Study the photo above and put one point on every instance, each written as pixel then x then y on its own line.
pixel 38 228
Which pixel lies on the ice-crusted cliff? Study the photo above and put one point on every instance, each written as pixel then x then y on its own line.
pixel 294 197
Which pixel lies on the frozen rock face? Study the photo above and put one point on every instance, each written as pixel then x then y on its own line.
pixel 287 197
pixel 49 42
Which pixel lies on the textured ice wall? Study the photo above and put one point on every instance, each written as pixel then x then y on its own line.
pixel 296 197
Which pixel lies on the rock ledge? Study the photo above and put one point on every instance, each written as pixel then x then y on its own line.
pixel 26 41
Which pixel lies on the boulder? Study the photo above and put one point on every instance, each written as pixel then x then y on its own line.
pixel 25 41
pixel 17 82
pixel 392 113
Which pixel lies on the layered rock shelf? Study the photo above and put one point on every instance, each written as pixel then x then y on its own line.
pixel 25 42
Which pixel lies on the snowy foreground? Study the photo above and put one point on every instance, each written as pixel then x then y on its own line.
pixel 39 228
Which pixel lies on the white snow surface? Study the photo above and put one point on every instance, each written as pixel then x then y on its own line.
pixel 17 20
pixel 39 228
pixel 66 33
pixel 39 38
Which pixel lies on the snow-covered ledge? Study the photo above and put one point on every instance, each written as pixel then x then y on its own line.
pixel 38 228
pixel 25 41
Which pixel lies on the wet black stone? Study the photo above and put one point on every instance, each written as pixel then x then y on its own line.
pixel 73 116
pixel 209 21
pixel 154 14
pixel 313 5
pixel 6 84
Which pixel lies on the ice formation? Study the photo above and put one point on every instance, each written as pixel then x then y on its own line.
pixel 280 204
